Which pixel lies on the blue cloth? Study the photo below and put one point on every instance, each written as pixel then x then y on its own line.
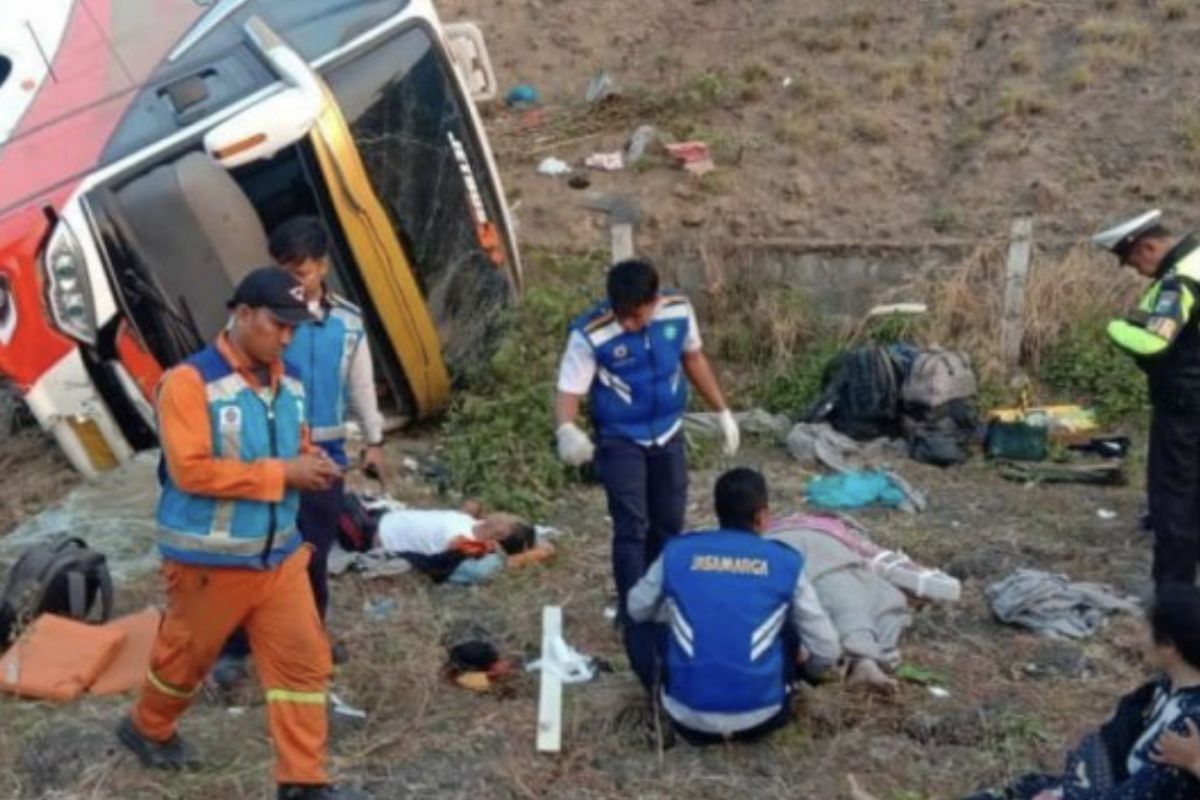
pixel 647 500
pixel 477 570
pixel 729 599
pixel 854 490
pixel 321 352
pixel 640 391
pixel 246 425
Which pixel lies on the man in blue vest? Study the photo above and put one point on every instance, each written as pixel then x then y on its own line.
pixel 630 355
pixel 724 618
pixel 331 354
pixel 236 456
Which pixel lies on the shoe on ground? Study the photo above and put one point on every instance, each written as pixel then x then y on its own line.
pixel 230 673
pixel 295 791
pixel 173 754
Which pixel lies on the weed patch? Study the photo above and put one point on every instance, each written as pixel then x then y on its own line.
pixel 498 436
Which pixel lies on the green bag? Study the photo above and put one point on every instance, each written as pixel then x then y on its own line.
pixel 1017 441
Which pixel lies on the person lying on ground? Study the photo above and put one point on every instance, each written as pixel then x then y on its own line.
pixel 723 619
pixel 429 532
pixel 869 614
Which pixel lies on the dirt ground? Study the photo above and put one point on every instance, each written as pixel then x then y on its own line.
pixel 852 120
pixel 1015 701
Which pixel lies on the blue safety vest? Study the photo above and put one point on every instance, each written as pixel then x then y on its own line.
pixel 322 351
pixel 639 392
pixel 728 597
pixel 246 425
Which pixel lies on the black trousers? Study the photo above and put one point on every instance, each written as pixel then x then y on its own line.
pixel 1174 493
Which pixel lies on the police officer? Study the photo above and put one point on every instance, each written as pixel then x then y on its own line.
pixel 1162 337
pixel 236 456
pixel 629 356
pixel 736 609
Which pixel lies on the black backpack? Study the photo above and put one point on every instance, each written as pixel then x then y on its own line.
pixel 357 524
pixel 941 436
pixel 861 397
pixel 58 576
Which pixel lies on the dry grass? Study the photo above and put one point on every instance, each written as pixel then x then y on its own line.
pixel 36 475
pixel 1187 129
pixel 1022 100
pixel 1131 35
pixel 1175 10
pixel 967 301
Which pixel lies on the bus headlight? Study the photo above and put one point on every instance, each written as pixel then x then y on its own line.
pixel 69 293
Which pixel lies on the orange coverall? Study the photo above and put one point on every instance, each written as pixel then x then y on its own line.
pixel 207 604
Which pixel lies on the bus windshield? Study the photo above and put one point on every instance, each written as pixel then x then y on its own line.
pixel 427 168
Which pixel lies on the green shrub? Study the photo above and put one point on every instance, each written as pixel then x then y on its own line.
pixel 498 438
pixel 1084 366
pixel 793 387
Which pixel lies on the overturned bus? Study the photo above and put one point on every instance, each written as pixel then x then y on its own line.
pixel 148 146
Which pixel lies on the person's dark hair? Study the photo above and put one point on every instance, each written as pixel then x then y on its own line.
pixel 299 239
pixel 1175 620
pixel 522 539
pixel 1156 231
pixel 740 494
pixel 631 284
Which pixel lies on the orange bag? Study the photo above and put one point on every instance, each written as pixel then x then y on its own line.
pixel 127 671
pixel 58 658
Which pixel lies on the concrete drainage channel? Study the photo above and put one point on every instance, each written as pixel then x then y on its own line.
pixel 843 279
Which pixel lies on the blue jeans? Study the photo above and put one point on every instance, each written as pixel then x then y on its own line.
pixel 647 500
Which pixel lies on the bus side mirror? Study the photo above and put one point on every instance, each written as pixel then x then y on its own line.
pixel 469 53
pixel 263 129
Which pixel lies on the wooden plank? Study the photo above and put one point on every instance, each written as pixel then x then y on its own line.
pixel 1016 273
pixel 549 730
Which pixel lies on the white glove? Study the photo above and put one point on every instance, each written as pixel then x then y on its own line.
pixel 730 432
pixel 574 447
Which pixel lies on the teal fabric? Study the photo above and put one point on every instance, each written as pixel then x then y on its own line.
pixel 477 570
pixel 854 490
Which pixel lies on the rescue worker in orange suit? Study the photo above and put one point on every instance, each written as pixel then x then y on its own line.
pixel 236 456
pixel 1163 337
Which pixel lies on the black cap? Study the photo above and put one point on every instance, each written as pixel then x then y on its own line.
pixel 277 291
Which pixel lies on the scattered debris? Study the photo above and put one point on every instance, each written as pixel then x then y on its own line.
pixel 476 665
pixel 694 157
pixel 640 143
pixel 522 96
pixel 370 565
pixel 897 309
pixel 606 162
pixel 579 180
pixel 1104 473
pixel 921 676
pixel 1106 514
pixel 1050 605
pixel 601 87
pixel 553 167
pixel 939 692
pixel 381 609
pixel 787 82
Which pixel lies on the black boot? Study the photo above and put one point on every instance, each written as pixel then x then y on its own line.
pixel 296 791
pixel 173 754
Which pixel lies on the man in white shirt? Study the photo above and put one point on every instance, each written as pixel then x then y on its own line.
pixel 629 356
